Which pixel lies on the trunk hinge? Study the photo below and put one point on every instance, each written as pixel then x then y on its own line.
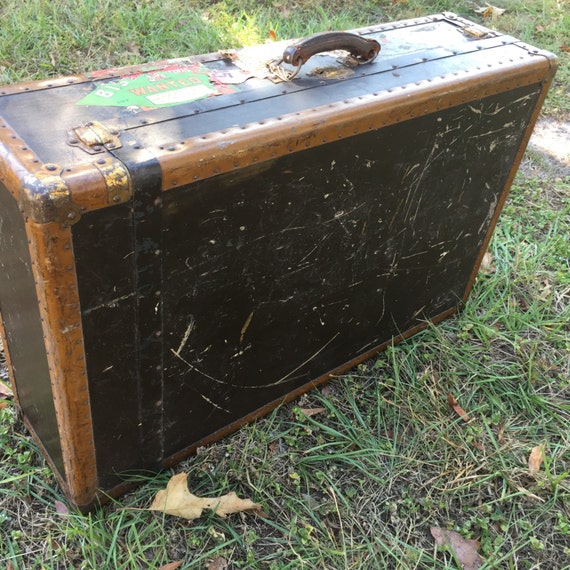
pixel 94 137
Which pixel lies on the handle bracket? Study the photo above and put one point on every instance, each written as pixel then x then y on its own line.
pixel 363 50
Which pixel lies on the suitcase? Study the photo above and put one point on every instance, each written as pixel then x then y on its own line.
pixel 187 244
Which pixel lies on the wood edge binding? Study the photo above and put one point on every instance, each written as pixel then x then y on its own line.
pixel 8 361
pixel 53 267
pixel 504 194
pixel 41 84
pixel 237 147
pixel 17 161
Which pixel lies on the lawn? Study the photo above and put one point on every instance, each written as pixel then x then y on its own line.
pixel 356 473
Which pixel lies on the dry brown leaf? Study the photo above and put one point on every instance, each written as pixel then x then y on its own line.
pixel 565 49
pixel 326 390
pixel 546 290
pixel 3 404
pixel 487 266
pixel 61 508
pixel 5 390
pixel 501 433
pixel 535 459
pixel 172 565
pixel 177 500
pixel 312 411
pixel 217 563
pixel 490 11
pixel 457 408
pixel 465 550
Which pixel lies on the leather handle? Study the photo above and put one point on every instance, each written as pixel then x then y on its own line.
pixel 362 49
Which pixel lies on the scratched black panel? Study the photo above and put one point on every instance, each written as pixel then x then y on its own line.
pixel 103 247
pixel 281 272
pixel 22 324
pixel 147 208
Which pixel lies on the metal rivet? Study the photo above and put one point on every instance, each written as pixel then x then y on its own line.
pixel 101 161
pixel 51 167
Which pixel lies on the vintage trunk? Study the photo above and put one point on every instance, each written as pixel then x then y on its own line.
pixel 186 244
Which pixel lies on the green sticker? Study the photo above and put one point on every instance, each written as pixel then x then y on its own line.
pixel 165 87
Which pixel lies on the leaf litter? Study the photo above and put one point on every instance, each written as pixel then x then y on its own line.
pixel 177 500
pixel 457 408
pixel 464 550
pixel 535 459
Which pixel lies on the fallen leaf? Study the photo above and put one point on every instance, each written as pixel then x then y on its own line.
pixel 546 290
pixel 535 459
pixel 326 390
pixel 61 508
pixel 457 408
pixel 172 565
pixel 490 11
pixel 272 35
pixel 501 433
pixel 217 563
pixel 565 49
pixel 465 550
pixel 3 404
pixel 5 390
pixel 177 500
pixel 312 411
pixel 487 266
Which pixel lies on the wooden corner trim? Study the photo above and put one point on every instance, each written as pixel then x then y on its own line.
pixel 53 266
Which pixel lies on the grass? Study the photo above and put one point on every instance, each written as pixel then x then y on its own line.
pixel 359 484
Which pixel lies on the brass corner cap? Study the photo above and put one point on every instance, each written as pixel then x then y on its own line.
pixel 44 197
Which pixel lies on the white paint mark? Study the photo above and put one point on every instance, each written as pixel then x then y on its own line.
pixel 313 356
pixel 186 335
pixel 214 404
pixel 109 304
pixel 489 216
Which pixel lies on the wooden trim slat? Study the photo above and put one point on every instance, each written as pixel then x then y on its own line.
pixel 53 266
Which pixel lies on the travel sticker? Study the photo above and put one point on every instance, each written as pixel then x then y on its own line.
pixel 164 87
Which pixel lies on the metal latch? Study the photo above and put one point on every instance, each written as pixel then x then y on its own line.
pixel 476 31
pixel 94 137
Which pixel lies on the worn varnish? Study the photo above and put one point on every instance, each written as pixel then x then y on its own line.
pixel 186 244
